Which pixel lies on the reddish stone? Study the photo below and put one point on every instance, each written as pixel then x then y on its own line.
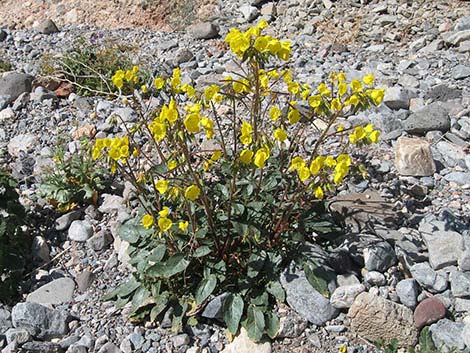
pixel 64 90
pixel 428 311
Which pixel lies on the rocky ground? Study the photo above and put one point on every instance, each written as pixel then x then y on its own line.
pixel 405 260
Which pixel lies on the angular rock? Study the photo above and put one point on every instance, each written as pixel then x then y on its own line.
pixel 21 143
pixel 460 284
pixel 447 335
pixel 443 248
pixel 413 157
pixel 5 320
pixel 429 311
pixel 14 84
pixel 343 297
pixel 407 290
pixel 379 257
pixel 429 279
pixel 460 72
pixel 243 344
pixel 56 292
pixel 109 348
pixel 462 24
pixel 430 118
pixel 40 249
pixel 45 322
pixel 374 278
pixel 84 280
pixel 64 221
pixel 379 319
pixel 203 30
pixel 397 98
pixel 453 155
pixel 460 178
pixel 458 37
pixel 249 12
pixel 21 335
pixel 47 27
pixel 100 240
pixel 80 231
pixel 304 299
pixel 41 347
pixel 111 203
pixel 292 325
pixel 213 309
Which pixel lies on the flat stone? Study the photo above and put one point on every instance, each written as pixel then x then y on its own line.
pixel 292 325
pixel 407 290
pixel 46 27
pixel 460 72
pixel 443 93
pixel 460 284
pixel 203 30
pixel 430 118
pixel 14 84
pixel 413 157
pixel 56 292
pixel 466 334
pixel 213 309
pixel 111 203
pixel 304 299
pixel 80 231
pixel 243 344
pixel 100 240
pixel 462 24
pixel 461 178
pixel 453 155
pixel 40 249
pixel 46 323
pixel 447 335
pixel 343 297
pixel 429 279
pixel 249 12
pixel 443 248
pixel 180 340
pixel 21 143
pixel 429 311
pixel 109 348
pixel 84 280
pixel 20 335
pixel 379 257
pixel 378 319
pixel 41 347
pixel 458 37
pixel 397 98
pixel 64 221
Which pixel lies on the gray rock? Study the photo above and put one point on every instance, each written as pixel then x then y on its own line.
pixel 408 290
pixel 5 320
pixel 64 221
pixel 40 249
pixel 379 257
pixel 10 348
pixel 292 325
pixel 443 93
pixel 41 347
pixel 374 278
pixel 464 47
pixel 68 341
pixel 460 284
pixel 460 72
pixel 14 84
pixel 379 319
pixel 429 279
pixel 466 334
pixel 84 280
pixel 77 349
pixel 413 157
pixel 213 309
pixel 458 37
pixel 460 178
pixel 343 297
pixel 56 292
pixel 180 340
pixel 85 341
pixel 21 335
pixel 203 30
pixel 109 348
pixel 447 335
pixel 304 299
pixel 243 344
pixel 462 24
pixel 347 280
pixel 397 98
pixel 249 12
pixel 452 155
pixel 80 231
pixel 45 322
pixel 111 203
pixel 47 27
pixel 463 259
pixel 21 143
pixel 443 248
pixel 431 117
pixel 183 55
pixel 100 240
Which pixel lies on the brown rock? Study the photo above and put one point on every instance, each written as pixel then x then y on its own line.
pixel 86 130
pixel 378 319
pixel 428 311
pixel 413 157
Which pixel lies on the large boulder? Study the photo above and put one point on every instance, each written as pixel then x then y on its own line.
pixel 14 84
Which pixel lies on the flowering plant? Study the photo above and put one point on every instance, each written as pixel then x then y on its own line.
pixel 229 183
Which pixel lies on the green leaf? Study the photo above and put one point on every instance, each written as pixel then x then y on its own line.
pixel 205 288
pixel 272 324
pixel 161 303
pixel 318 278
pixel 233 311
pixel 174 265
pixel 123 290
pixel 238 209
pixel 131 231
pixel 157 254
pixel 261 300
pixel 202 251
pixel 254 323
pixel 179 311
pixel 275 289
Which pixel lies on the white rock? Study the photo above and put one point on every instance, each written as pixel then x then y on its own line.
pixel 243 344
pixel 80 231
pixel 343 297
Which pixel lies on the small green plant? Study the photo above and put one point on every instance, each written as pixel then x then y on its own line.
pixel 426 345
pixel 13 241
pixel 4 65
pixel 76 179
pixel 228 183
pixel 89 65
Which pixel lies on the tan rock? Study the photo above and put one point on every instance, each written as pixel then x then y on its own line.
pixel 413 157
pixel 243 344
pixel 378 319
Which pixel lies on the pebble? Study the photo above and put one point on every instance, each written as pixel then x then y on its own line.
pixel 80 231
pixel 58 291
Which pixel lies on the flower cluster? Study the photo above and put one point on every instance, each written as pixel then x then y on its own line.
pixel 129 76
pixel 364 135
pixel 252 39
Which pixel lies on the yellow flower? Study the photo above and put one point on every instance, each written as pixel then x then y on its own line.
pixel 297 163
pixel 192 123
pixel 262 156
pixel 216 156
pixel 374 136
pixel 341 76
pixel 262 24
pixel 246 156
pixel 284 52
pixel 129 75
pixel 314 101
pixel 164 224
pixel 330 161
pixel 247 128
pixel 356 85
pixel 368 79
pixel 353 100
pixel 172 164
pixel 118 82
pixel 341 170
pixel 147 221
pixel 274 113
pixel 183 225
pixel 293 87
pixel 323 89
pixel 316 165
pixel 336 105
pixel 158 83
pixel 158 130
pixel 377 95
pixel 162 186
pixel 246 139
pixel 280 134
pixel 304 173
pixel 274 46
pixel 342 89
pixel 319 192
pixel 211 91
pixel 293 116
pixel 358 134
pixel 164 212
pixel 344 158
pixel 261 43
pixel 192 192
pixel 144 88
